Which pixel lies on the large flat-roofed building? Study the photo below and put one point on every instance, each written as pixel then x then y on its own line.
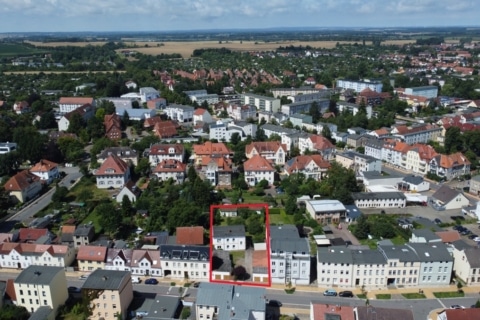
pixel 263 103
pixel 379 199
pixel 426 91
pixel 39 286
pixel 358 86
pixel 326 211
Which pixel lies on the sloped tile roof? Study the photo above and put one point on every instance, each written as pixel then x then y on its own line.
pixel 21 181
pixel 92 253
pixel 114 163
pixel 257 163
pixel 43 166
pixel 76 100
pixel 190 235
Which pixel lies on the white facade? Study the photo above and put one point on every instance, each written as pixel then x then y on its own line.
pixel 148 93
pixel 218 131
pixel 359 86
pixel 229 243
pixel 466 265
pixel 180 262
pixel 428 92
pixel 252 177
pixel 379 200
pixel 179 113
pixel 20 258
pixel 262 103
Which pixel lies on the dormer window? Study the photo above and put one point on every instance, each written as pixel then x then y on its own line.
pixel 110 170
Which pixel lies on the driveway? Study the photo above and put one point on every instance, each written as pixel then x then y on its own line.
pixel 343 233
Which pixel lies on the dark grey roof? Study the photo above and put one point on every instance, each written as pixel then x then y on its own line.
pixel 473 257
pixel 160 307
pixel 353 154
pixel 445 194
pixel 105 279
pixel 38 275
pixel 336 254
pixel 83 230
pixel 279 129
pixel 119 151
pixel 42 313
pixel 352 211
pixel 184 252
pixel 415 180
pixel 378 175
pixel 375 143
pixel 403 253
pixel 461 245
pixel 286 238
pixel 228 231
pixel 287 231
pixel 370 312
pixel 377 195
pixel 427 252
pixel 367 256
pixel 428 234
pixel 232 302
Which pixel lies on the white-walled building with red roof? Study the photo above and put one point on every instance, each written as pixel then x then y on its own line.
pixel 113 173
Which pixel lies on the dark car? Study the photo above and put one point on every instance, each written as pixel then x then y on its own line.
pixel 196 284
pixel 437 221
pixel 466 232
pixel 74 290
pixel 274 303
pixel 472 236
pixel 151 281
pixel 346 294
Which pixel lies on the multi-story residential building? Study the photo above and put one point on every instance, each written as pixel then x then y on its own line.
pixel 312 166
pixel 218 131
pixel 179 112
pixel 426 91
pixel 165 129
pixel 271 129
pixel 320 311
pixel 46 170
pixel 379 199
pixel 467 263
pixel 201 96
pixel 358 162
pixel 289 256
pixel 135 114
pixel 171 169
pixel 369 97
pixel 201 115
pixel 112 293
pixel 356 140
pixel 394 152
pixel 68 104
pixel 353 108
pixel 39 286
pixel 127 154
pixel 160 152
pixel 190 235
pixel 6 147
pixel 146 263
pixel 242 112
pixel 326 211
pixel 369 268
pixel 475 185
pixel 113 126
pixel 298 92
pixel 119 259
pixel 83 235
pixel 237 302
pixel 418 157
pixel 335 266
pixel 374 148
pixel 272 151
pixel 303 106
pixel 22 255
pixel 185 261
pixel 317 144
pixel 229 238
pixel 86 112
pixel 218 171
pixel 91 257
pixel 449 166
pixel 257 168
pixel 403 265
pixel 202 153
pixel 262 103
pixel 23 186
pixel 244 128
pixel 436 263
pixel 358 86
pixel 113 173
pixel 422 133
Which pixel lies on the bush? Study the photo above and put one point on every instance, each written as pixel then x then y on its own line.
pixel 173 284
pixel 186 312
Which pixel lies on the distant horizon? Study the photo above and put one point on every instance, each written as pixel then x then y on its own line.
pixel 52 16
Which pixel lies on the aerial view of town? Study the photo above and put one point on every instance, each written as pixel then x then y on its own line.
pixel 254 161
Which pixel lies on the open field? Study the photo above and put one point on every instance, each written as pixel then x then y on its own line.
pixel 59 72
pixel 17 49
pixel 66 43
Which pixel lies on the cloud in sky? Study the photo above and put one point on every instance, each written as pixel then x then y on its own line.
pixel 127 15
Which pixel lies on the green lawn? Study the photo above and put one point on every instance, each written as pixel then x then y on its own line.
pixel 15 49
pixel 94 220
pixel 449 294
pixel 413 295
pixel 87 184
pixel 384 296
pixel 281 218
pixel 236 256
pixel 362 296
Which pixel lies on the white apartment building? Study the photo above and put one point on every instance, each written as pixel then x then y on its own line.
pixel 229 238
pixel 403 265
pixel 179 112
pixel 467 263
pixel 359 86
pixel 379 199
pixel 257 169
pixel 160 152
pixel 358 162
pixel 39 286
pixel 353 108
pixel 290 256
pixel 218 131
pixel 242 112
pixel 22 255
pixel 436 263
pixel 289 92
pixel 262 103
pixel 428 92
pixel 185 261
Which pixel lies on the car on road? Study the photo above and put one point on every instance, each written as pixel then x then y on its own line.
pixel 437 221
pixel 466 232
pixel 476 239
pixel 330 292
pixel 73 290
pixel 196 284
pixel 274 303
pixel 151 281
pixel 456 306
pixel 472 236
pixel 83 277
pixel 346 294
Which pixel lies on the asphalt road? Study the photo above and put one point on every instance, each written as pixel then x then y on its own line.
pixel 27 213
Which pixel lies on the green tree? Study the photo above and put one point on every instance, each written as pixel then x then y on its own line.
pixel 13 312
pixel 60 194
pixel 84 195
pixel 291 205
pixel 9 163
pixel 127 208
pixel 315 112
pixel 235 138
pixel 362 228
pixel 31 143
pixel 453 140
pixel 143 167
pixel 327 133
pixel 109 218
pixel 76 123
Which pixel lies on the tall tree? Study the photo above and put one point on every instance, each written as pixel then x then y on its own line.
pixel 315 112
pixel 31 143
pixel 453 140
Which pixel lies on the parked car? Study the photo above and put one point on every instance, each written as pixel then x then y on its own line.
pixel 274 303
pixel 466 232
pixel 151 281
pixel 457 306
pixel 196 284
pixel 136 280
pixel 330 292
pixel 83 277
pixel 472 236
pixel 346 294
pixel 437 221
pixel 73 290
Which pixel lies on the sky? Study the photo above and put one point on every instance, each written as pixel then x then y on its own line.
pixel 171 15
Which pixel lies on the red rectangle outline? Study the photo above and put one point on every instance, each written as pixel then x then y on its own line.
pixel 267 241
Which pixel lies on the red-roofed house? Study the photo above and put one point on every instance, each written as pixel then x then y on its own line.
pixel 450 166
pixel 211 150
pixel 320 311
pixel 371 98
pixel 91 257
pixel 146 262
pixel 190 235
pixel 317 144
pixel 418 158
pixel 165 129
pixel 46 170
pixel 312 166
pixel 260 268
pixel 218 170
pixel 201 115
pixel 23 255
pixel 171 169
pixel 113 173
pixel 158 103
pixel 160 152
pixel 257 169
pixel 459 314
pixel 23 186
pixel 86 111
pixel 113 126
pixel 31 235
pixel 68 104
pixel 272 151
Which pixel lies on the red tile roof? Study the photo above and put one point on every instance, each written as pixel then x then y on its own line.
pixel 265 147
pixel 76 100
pixel 92 253
pixel 114 163
pixel 43 166
pixel 321 143
pixel 321 310
pixel 199 112
pixel 448 236
pixel 299 163
pixel 452 160
pixel 165 129
pixel 190 235
pixel 28 234
pixel 462 314
pixel 170 165
pixel 209 149
pixel 163 149
pixel 153 256
pixel 257 163
pixel 21 181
